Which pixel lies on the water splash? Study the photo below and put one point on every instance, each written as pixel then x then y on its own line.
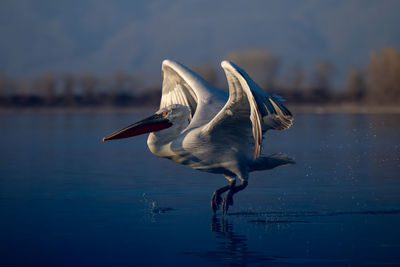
pixel 152 207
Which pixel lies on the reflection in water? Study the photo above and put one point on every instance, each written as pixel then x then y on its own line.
pixel 233 249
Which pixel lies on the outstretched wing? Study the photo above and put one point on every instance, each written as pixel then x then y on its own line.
pixel 249 111
pixel 182 86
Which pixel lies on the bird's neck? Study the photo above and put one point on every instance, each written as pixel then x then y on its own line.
pixel 159 145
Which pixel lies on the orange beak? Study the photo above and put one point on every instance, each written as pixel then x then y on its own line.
pixel 151 124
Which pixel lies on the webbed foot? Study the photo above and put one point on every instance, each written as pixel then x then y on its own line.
pixel 216 201
pixel 228 198
pixel 228 201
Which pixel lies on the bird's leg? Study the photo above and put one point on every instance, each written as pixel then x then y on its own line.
pixel 216 199
pixel 228 199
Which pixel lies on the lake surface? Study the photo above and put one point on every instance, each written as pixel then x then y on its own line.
pixel 66 198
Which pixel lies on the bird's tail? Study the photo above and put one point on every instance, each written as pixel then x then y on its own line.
pixel 270 162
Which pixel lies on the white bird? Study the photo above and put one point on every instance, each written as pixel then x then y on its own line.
pixel 199 126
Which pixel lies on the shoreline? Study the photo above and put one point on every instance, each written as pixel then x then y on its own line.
pixel 299 109
pixel 344 109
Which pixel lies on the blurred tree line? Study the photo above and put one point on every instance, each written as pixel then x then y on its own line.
pixel 86 89
pixel 377 82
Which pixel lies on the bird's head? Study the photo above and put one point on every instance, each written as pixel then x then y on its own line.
pixel 168 121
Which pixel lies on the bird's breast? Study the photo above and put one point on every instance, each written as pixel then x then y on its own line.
pixel 199 152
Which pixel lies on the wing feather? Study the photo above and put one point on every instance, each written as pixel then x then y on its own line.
pixel 248 103
pixel 183 86
pixel 176 89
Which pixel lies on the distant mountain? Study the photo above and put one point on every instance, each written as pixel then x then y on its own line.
pixel 105 36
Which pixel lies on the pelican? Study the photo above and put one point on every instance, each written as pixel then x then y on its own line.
pixel 202 127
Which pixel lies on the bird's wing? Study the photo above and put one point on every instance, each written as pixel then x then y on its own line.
pixel 249 111
pixel 182 86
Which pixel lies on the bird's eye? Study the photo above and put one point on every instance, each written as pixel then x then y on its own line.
pixel 164 113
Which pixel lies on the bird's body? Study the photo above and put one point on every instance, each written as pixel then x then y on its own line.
pixel 206 129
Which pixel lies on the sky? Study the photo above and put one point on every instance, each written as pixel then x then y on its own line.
pixel 102 36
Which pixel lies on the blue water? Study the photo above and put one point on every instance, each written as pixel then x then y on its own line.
pixel 68 199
